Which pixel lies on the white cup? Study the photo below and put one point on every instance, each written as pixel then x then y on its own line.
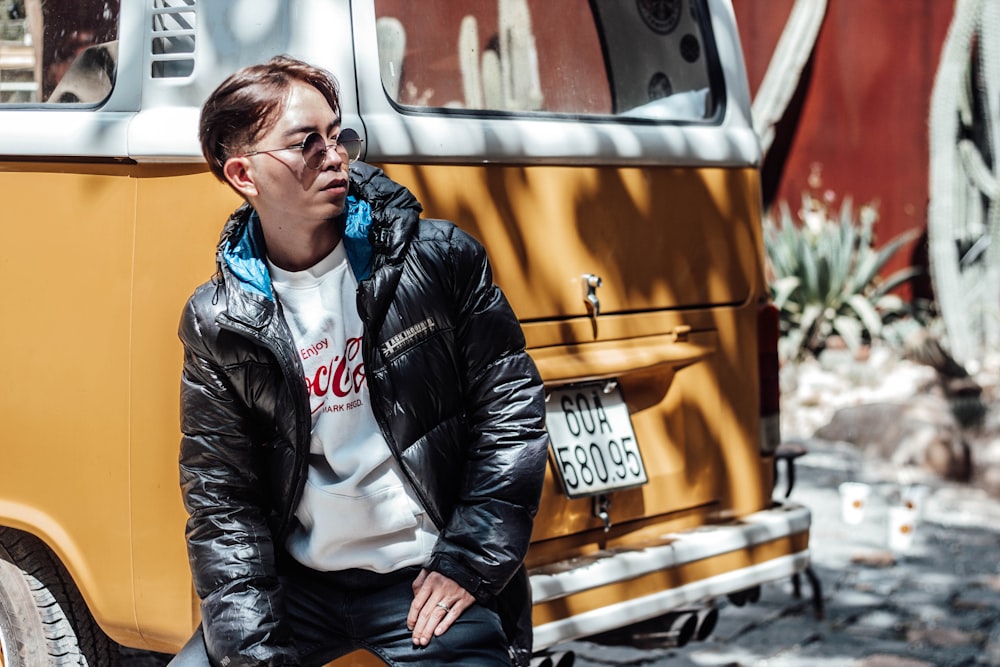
pixel 853 499
pixel 902 527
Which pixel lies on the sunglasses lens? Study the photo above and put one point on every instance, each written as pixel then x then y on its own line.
pixel 350 142
pixel 314 150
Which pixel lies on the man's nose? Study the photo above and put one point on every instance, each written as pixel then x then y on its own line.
pixel 334 158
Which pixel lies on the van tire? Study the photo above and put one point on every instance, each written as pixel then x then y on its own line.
pixel 43 618
pixel 22 641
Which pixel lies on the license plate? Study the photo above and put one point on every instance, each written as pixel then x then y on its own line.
pixel 592 440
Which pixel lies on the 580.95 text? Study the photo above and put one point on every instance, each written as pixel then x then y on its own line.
pixel 599 459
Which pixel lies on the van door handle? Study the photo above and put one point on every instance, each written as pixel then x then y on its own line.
pixel 590 285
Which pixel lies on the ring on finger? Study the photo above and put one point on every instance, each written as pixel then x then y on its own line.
pixel 442 605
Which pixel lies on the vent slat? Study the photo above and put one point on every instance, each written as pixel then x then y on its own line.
pixel 172 38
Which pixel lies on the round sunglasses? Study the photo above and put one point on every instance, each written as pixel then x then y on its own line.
pixel 315 149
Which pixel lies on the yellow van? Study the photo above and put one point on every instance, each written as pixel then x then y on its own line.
pixel 602 151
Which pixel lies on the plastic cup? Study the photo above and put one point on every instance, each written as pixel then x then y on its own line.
pixel 853 499
pixel 902 527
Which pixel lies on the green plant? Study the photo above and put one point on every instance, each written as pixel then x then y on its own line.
pixel 825 275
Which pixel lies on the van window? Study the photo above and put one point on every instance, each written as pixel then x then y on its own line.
pixel 57 51
pixel 642 58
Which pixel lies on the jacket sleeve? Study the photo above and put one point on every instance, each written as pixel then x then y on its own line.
pixel 229 543
pixel 487 536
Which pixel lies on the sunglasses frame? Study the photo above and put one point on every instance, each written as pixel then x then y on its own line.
pixel 349 146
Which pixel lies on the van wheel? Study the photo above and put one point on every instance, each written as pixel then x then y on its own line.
pixel 43 618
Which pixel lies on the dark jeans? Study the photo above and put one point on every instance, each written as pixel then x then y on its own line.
pixel 334 613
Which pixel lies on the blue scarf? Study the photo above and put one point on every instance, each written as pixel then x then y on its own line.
pixel 356 243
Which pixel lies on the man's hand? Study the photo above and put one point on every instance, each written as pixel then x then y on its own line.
pixel 437 602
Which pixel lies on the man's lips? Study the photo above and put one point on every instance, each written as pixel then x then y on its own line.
pixel 336 185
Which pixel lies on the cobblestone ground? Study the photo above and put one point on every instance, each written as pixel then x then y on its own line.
pixel 937 604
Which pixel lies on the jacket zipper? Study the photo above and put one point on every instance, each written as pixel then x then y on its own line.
pixel 302 418
pixel 367 350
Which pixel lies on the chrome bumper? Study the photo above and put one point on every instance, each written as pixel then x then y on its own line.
pixel 563 579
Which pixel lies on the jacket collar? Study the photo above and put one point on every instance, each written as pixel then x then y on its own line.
pixel 395 211
pixel 392 214
pixel 242 270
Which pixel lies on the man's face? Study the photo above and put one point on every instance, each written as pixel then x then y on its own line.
pixel 280 186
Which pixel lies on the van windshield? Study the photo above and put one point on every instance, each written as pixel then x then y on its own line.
pixel 647 59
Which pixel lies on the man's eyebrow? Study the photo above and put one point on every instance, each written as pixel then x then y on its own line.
pixel 292 131
pixel 306 129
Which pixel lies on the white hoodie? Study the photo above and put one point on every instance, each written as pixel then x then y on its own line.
pixel 356 511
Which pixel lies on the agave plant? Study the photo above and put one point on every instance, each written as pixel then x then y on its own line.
pixel 825 275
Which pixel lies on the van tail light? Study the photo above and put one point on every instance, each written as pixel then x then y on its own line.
pixel 767 368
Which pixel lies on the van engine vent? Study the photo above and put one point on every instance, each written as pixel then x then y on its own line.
pixel 172 38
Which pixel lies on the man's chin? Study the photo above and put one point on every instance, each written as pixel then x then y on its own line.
pixel 336 211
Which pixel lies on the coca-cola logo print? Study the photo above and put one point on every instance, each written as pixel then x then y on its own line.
pixel 334 380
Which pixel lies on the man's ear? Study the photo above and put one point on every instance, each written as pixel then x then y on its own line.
pixel 237 171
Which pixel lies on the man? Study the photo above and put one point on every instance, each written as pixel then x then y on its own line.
pixel 363 433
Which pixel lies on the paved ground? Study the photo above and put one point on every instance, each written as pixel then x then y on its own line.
pixel 936 605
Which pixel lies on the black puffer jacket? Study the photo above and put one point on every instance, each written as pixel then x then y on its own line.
pixel 456 396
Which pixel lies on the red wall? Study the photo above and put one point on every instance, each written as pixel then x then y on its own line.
pixel 862 108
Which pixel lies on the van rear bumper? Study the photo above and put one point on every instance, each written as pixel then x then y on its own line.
pixel 750 534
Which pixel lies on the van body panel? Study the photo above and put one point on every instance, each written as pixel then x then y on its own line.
pixel 660 238
pixel 667 243
pixel 166 270
pixel 67 269
pixel 700 441
pixel 179 215
pixel 102 321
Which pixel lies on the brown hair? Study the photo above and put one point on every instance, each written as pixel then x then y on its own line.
pixel 249 102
